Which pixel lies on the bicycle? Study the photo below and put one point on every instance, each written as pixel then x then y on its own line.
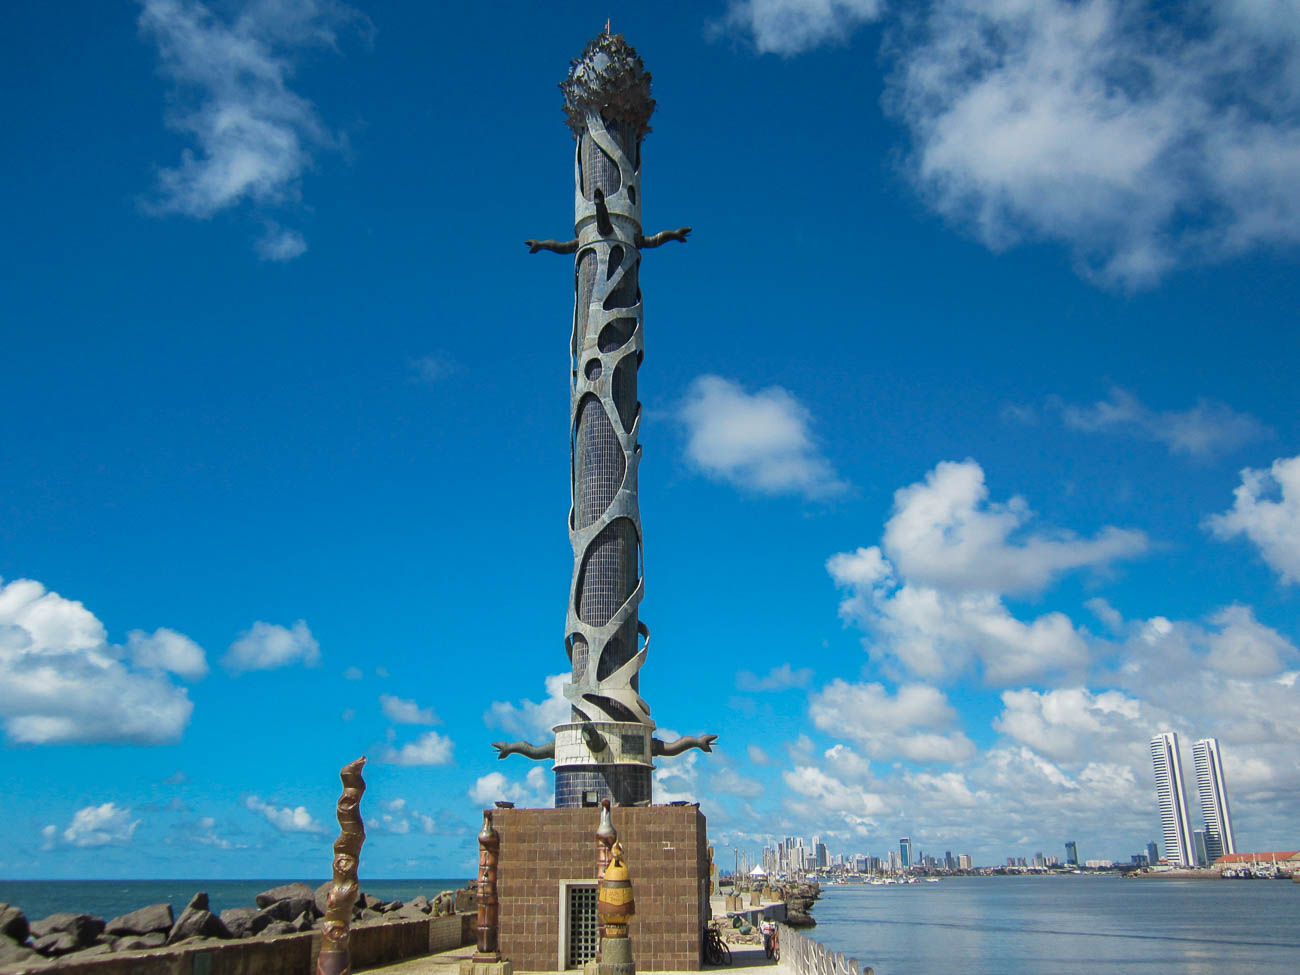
pixel 716 951
pixel 776 943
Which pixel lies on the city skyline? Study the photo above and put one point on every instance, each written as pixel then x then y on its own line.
pixel 971 437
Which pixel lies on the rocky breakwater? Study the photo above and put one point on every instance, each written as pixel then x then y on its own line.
pixel 281 910
pixel 799 902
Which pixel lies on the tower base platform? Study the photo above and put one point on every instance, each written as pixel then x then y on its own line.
pixel 546 885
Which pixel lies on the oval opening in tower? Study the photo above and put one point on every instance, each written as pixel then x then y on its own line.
pixel 593 370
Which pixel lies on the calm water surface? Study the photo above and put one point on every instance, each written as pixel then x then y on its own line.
pixel 110 898
pixel 1065 925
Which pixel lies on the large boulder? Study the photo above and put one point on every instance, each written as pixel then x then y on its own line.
pixel 279 927
pixel 155 917
pixel 238 920
pixel 421 904
pixel 81 928
pixel 197 921
pixel 13 923
pixel 57 943
pixel 284 892
pixel 304 921
pixel 289 908
pixel 154 939
pixel 12 953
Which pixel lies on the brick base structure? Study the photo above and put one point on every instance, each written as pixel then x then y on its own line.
pixel 545 853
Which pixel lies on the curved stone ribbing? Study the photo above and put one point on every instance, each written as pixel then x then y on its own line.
pixel 607 343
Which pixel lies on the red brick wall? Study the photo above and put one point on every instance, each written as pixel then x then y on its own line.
pixel 667 856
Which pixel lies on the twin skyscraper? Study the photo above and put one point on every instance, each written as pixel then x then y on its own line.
pixel 1184 846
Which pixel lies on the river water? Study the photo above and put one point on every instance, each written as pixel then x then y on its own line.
pixel 1053 925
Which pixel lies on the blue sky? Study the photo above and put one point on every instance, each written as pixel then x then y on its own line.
pixel 971 440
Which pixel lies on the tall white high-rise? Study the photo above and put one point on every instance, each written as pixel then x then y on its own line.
pixel 1213 791
pixel 1172 798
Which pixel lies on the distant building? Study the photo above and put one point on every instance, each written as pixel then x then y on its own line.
pixel 964 861
pixel 1071 853
pixel 1171 796
pixel 1153 854
pixel 905 852
pixel 1212 789
pixel 1099 864
pixel 1198 846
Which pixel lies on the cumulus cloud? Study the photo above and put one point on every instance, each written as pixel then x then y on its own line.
pixel 1069 724
pixel 287 819
pixel 779 678
pixel 759 441
pixel 1201 431
pixel 935 605
pixel 251 136
pixel 1141 138
pixel 168 650
pixel 910 724
pixel 401 711
pixel 1273 525
pixel 266 646
pixel 396 816
pixel 103 825
pixel 789 27
pixel 60 680
pixel 757 755
pixel 533 792
pixel 1244 647
pixel 946 533
pixel 430 748
pixel 528 719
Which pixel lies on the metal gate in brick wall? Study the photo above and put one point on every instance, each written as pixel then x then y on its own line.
pixel 584 929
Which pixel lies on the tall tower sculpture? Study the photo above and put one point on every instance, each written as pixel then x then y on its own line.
pixel 606 749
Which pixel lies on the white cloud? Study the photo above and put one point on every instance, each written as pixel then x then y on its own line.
pixel 352 673
pixel 401 711
pixel 1070 724
pixel 432 369
pixel 788 27
pixel 779 678
pixel 266 646
pixel 103 825
pixel 757 755
pixel 1206 429
pixel 908 725
pixel 1143 139
pixel 168 650
pixel 253 134
pixel 60 680
pixel 853 805
pixel 279 244
pixel 533 792
pixel 946 533
pixel 1273 525
pixel 430 748
pixel 530 720
pixel 758 441
pixel 730 782
pixel 1244 647
pixel 936 606
pixel 286 819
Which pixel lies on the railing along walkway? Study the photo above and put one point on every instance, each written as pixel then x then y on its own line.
pixel 804 956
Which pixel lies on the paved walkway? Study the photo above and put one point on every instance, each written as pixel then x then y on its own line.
pixel 745 961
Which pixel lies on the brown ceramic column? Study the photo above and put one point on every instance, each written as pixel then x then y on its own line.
pixel 336 954
pixel 489 845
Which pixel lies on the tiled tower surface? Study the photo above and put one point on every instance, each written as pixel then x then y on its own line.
pixel 543 851
pixel 608 104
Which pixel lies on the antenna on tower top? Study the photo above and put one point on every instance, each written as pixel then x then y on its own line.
pixel 607 20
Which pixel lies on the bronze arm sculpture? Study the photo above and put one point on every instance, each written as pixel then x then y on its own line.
pixel 569 246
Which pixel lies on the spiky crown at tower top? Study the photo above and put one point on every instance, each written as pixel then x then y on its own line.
pixel 606 749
